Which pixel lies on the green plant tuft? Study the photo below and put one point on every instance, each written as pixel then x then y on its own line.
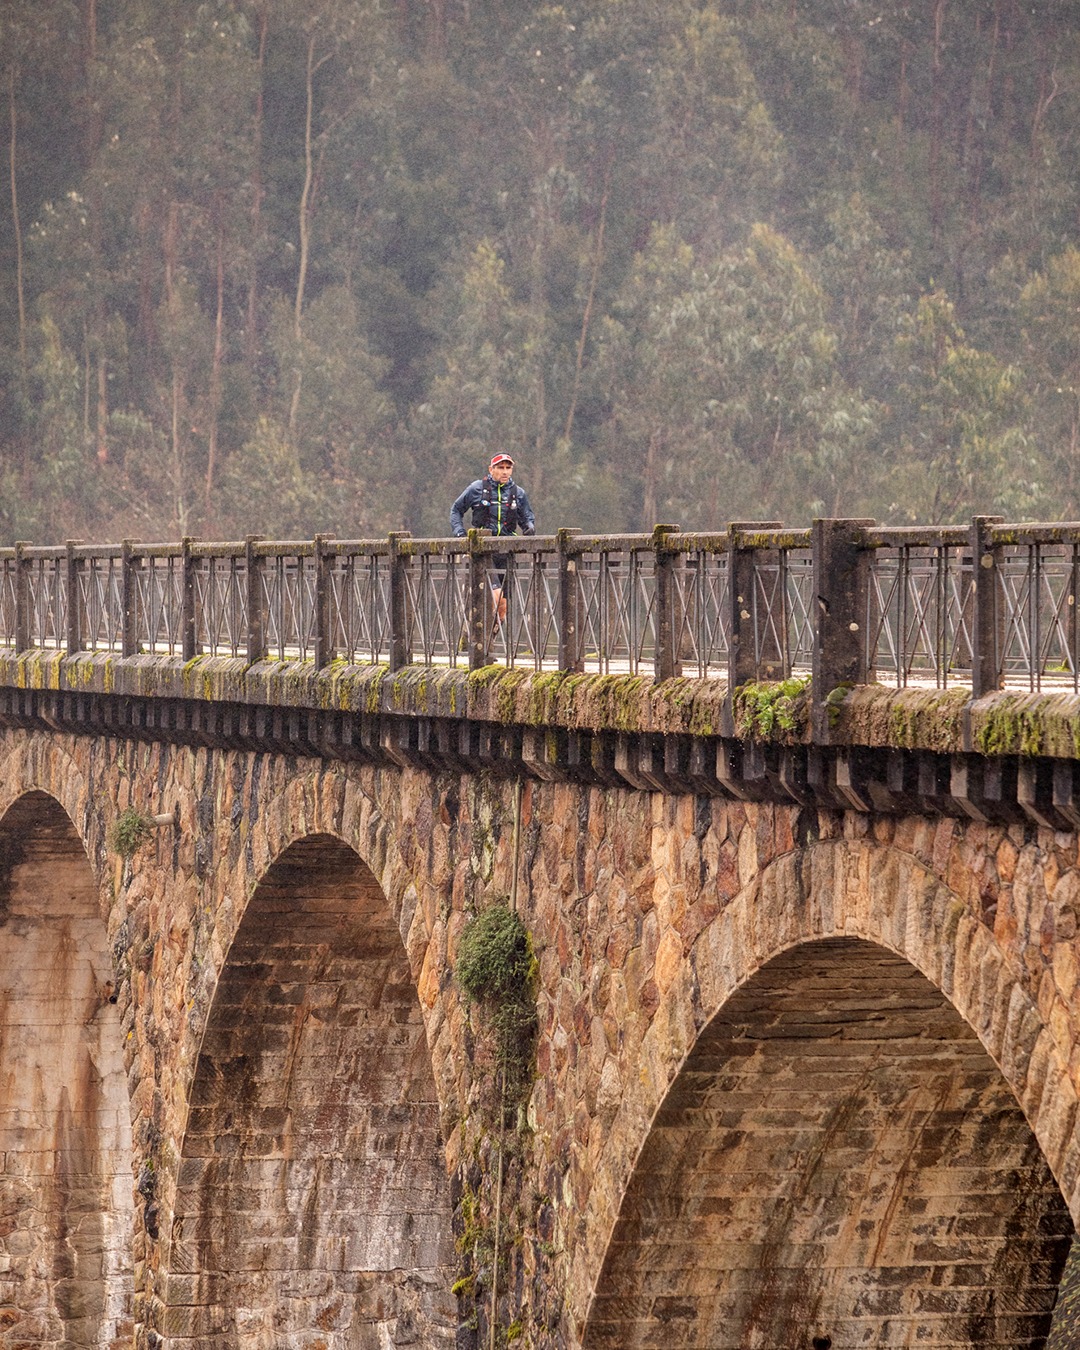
pixel 493 958
pixel 131 830
pixel 496 968
pixel 772 709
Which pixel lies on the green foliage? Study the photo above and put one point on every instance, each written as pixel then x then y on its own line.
pixel 130 831
pixel 689 261
pixel 494 959
pixel 772 710
pixel 961 420
pixel 496 969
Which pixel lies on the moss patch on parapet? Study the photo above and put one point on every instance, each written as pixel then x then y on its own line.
pixel 37 670
pixel 627 703
pixel 772 710
pixel 904 719
pixel 945 721
pixel 616 701
pixel 1027 724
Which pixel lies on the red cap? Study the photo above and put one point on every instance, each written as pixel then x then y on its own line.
pixel 500 459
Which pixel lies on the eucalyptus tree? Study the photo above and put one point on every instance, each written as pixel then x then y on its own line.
pixel 38 54
pixel 133 263
pixel 722 383
pixel 958 442
pixel 481 395
pixel 40 82
pixel 1048 308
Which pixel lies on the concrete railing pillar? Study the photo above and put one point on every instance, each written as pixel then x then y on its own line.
pixel 188 637
pixel 324 635
pixel 73 618
pixel 255 600
pixel 988 619
pixel 841 566
pixel 666 662
pixel 22 597
pixel 400 653
pixel 129 616
pixel 571 612
pixel 745 621
pixel 481 613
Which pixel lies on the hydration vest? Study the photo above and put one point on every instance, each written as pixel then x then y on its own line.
pixel 485 514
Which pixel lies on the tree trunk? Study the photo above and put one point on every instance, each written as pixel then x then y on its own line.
pixel 251 344
pixel 215 367
pixel 936 121
pixel 13 140
pixel 91 147
pixel 305 229
pixel 598 256
pixel 305 194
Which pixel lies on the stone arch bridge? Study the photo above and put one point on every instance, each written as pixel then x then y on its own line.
pixel 806 979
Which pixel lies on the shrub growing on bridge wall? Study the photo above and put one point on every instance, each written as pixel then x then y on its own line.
pixel 131 831
pixel 496 968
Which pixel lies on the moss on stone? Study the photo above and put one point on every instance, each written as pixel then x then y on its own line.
pixel 505 697
pixel 909 719
pixel 772 710
pixel 1008 727
pixel 946 721
pixel 484 677
pixel 543 689
pixel 374 691
pixel 834 703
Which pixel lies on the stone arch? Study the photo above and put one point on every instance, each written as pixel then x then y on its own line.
pixel 312 1196
pixel 66 1198
pixel 839 1162
pixel 838 897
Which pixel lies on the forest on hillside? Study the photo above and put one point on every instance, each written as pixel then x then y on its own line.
pixel 298 266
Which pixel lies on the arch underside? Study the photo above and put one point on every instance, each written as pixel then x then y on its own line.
pixel 313 1204
pixel 66 1202
pixel 839 1164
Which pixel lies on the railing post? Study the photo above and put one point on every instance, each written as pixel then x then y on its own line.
pixel 255 566
pixel 666 662
pixel 400 653
pixel 22 598
pixel 744 624
pixel 988 619
pixel 73 626
pixel 188 644
pixel 841 574
pixel 129 638
pixel 324 637
pixel 481 610
pixel 571 637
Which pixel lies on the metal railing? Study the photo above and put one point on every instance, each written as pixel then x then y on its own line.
pixel 982 606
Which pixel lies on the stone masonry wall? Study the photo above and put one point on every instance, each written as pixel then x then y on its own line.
pixel 647 914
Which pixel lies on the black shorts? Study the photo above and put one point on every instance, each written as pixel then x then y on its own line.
pixel 497 576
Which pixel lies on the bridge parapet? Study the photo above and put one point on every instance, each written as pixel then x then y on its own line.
pixel 1011 755
pixel 980 607
pixel 848 664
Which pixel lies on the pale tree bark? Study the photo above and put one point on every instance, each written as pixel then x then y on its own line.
pixel 312 66
pixel 13 141
pixel 216 363
pixel 251 335
pixel 937 119
pixel 177 438
pixel 586 318
pixel 95 211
